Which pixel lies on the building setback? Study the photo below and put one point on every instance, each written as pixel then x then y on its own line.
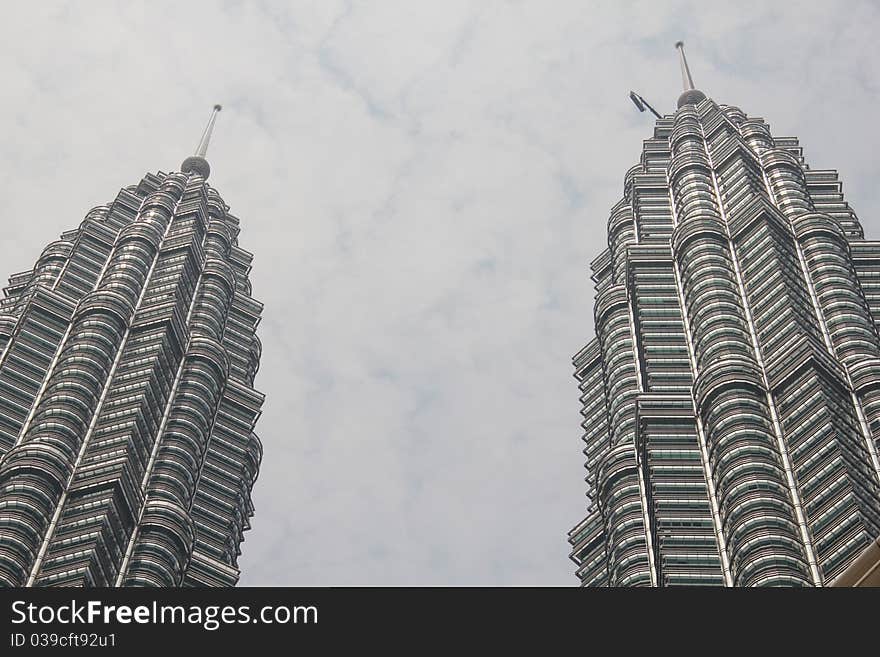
pixel 127 407
pixel 731 395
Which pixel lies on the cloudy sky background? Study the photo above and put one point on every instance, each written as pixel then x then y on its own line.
pixel 423 185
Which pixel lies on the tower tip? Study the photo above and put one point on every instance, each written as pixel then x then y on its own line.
pixel 691 95
pixel 197 163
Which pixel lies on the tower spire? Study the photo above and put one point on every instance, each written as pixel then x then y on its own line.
pixel 691 95
pixel 197 163
pixel 686 79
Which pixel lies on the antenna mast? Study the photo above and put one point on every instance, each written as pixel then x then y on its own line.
pixel 197 163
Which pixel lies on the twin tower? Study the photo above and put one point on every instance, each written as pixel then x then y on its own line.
pixel 731 395
pixel 127 407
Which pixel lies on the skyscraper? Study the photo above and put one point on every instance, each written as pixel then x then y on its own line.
pixel 127 407
pixel 731 395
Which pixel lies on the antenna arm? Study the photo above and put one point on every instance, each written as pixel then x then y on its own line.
pixel 653 111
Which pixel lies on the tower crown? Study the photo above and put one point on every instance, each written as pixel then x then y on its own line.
pixel 691 96
pixel 197 163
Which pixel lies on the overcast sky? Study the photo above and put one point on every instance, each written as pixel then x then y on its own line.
pixel 423 185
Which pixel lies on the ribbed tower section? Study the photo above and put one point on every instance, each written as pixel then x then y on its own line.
pixel 731 395
pixel 127 407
